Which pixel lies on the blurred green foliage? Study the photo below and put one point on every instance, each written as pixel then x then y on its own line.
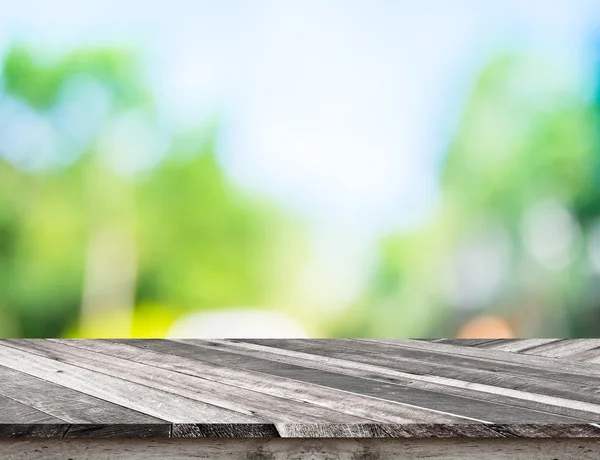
pixel 525 137
pixel 91 248
pixel 40 83
pixel 198 242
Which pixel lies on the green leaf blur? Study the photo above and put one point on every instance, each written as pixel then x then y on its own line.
pixel 93 245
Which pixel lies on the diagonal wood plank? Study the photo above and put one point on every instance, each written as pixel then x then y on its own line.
pixel 20 420
pixel 572 368
pixel 281 384
pixel 157 403
pixel 484 360
pixel 221 395
pixel 452 386
pixel 469 342
pixel 15 412
pixel 586 350
pixel 62 402
pixel 298 388
pixel 518 345
pixel 563 348
pixel 466 405
pixel 483 372
pixel 590 356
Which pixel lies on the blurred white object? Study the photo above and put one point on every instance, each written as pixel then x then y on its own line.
pixel 551 234
pixel 237 323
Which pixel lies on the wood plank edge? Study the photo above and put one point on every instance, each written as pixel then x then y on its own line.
pixel 302 430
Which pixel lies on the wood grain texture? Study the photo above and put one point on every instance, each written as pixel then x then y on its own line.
pixel 327 388
pixel 15 412
pixel 157 403
pixel 300 449
pixel 371 372
pixel 316 389
pixel 64 403
pixel 384 393
pixel 584 350
pixel 223 394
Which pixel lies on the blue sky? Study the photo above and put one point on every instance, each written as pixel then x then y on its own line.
pixel 338 109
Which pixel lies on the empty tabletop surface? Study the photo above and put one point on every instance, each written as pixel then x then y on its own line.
pixel 241 388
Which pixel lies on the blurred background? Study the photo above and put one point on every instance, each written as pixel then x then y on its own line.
pixel 300 169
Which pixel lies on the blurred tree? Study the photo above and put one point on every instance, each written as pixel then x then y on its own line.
pixel 39 82
pixel 93 243
pixel 507 237
pixel 204 244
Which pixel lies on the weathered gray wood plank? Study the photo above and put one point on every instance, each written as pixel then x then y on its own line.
pixel 563 348
pixel 573 349
pixel 528 430
pixel 577 349
pixel 157 403
pixel 450 365
pixel 322 430
pixel 119 430
pixel 466 405
pixel 590 356
pixel 527 361
pixel 66 404
pixel 220 395
pixel 581 397
pixel 466 342
pixel 319 389
pixel 514 345
pixel 225 430
pixel 321 393
pixel 450 386
pixel 32 430
pixel 504 374
pixel 12 411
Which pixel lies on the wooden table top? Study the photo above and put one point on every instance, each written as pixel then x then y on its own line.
pixel 300 388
